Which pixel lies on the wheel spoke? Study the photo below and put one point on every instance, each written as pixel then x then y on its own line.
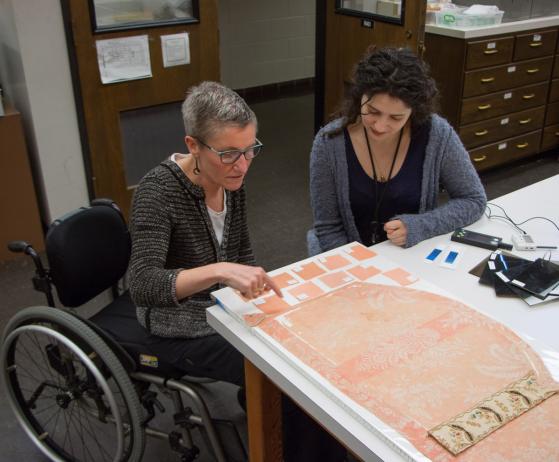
pixel 38 367
pixel 67 433
pixel 69 399
pixel 92 432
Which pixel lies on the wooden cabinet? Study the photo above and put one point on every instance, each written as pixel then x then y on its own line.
pixel 550 137
pixel 506 150
pixel 18 208
pixel 489 52
pixel 497 78
pixel 534 44
pixel 500 92
pixel 503 102
pixel 491 130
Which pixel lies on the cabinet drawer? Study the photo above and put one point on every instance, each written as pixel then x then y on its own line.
pixel 489 52
pixel 535 44
pixel 556 67
pixel 554 91
pixel 500 128
pixel 496 104
pixel 552 114
pixel 508 76
pixel 550 138
pixel 506 150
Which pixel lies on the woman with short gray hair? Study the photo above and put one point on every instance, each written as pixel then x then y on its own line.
pixel 190 236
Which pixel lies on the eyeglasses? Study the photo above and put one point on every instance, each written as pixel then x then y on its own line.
pixel 231 156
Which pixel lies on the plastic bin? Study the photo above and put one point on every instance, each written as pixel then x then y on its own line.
pixel 433 7
pixel 456 18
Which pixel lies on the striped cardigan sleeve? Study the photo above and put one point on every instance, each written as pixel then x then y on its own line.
pixel 151 284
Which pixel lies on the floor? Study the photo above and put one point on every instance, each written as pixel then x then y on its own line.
pixel 279 216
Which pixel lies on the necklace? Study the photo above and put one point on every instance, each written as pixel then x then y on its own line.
pixel 381 177
pixel 376 226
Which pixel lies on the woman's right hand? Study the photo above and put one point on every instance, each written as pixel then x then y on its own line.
pixel 250 281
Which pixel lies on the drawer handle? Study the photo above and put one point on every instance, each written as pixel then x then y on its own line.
pixel 487 80
pixel 522 145
pixel 536 44
pixel 483 107
pixel 481 133
pixel 525 121
pixel 490 52
pixel 530 96
pixel 480 159
pixel 532 71
pixel 556 133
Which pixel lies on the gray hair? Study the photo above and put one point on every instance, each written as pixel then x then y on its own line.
pixel 209 106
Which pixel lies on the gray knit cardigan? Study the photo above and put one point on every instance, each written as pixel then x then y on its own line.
pixel 446 163
pixel 171 230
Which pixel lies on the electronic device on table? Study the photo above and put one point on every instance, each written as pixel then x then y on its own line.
pixel 485 241
pixel 526 242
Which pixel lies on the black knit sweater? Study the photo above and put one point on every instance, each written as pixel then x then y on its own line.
pixel 171 230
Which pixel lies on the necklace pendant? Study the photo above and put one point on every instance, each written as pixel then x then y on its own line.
pixel 382 178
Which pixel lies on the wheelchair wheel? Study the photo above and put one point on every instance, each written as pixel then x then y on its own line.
pixel 68 390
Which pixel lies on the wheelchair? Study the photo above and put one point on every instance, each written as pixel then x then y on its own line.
pixel 87 389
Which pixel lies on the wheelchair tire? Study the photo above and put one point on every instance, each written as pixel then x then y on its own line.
pixel 68 390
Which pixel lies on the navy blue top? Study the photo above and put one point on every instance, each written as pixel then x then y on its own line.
pixel 401 193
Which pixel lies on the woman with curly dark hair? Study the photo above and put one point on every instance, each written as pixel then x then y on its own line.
pixel 376 168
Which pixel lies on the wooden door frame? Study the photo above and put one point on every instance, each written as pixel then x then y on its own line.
pixel 78 101
pixel 319 63
pixel 99 107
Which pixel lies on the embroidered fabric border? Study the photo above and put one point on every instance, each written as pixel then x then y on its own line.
pixel 468 428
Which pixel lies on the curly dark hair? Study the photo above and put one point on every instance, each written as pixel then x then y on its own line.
pixel 398 72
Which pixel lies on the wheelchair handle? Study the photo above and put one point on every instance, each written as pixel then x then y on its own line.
pixel 27 249
pixel 19 246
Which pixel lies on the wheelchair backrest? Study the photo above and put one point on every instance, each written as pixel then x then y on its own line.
pixel 88 251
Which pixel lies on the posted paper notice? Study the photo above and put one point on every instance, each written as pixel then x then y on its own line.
pixel 175 49
pixel 123 59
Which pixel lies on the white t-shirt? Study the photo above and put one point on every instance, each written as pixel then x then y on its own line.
pixel 217 218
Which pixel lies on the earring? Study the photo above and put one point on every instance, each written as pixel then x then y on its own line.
pixel 196 170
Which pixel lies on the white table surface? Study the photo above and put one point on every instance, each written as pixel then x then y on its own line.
pixel 540 323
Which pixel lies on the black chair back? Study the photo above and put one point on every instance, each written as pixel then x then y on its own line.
pixel 88 251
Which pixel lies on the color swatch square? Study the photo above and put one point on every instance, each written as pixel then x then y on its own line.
pixel 284 280
pixel 364 272
pixel 334 262
pixel 360 252
pixel 337 279
pixel 401 276
pixel 306 291
pixel 271 305
pixel 308 271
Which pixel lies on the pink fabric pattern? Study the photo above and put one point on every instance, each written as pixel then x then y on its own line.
pixel 416 359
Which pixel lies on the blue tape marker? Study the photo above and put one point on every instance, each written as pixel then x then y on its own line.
pixel 433 255
pixel 452 255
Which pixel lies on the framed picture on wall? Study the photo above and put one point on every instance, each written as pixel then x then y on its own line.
pixel 110 15
pixel 378 10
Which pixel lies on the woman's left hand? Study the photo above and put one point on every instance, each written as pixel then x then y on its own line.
pixel 396 231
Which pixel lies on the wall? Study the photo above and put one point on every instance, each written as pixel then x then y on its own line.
pixel 266 41
pixel 262 42
pixel 35 75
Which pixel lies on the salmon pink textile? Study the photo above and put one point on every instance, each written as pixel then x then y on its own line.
pixel 416 359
